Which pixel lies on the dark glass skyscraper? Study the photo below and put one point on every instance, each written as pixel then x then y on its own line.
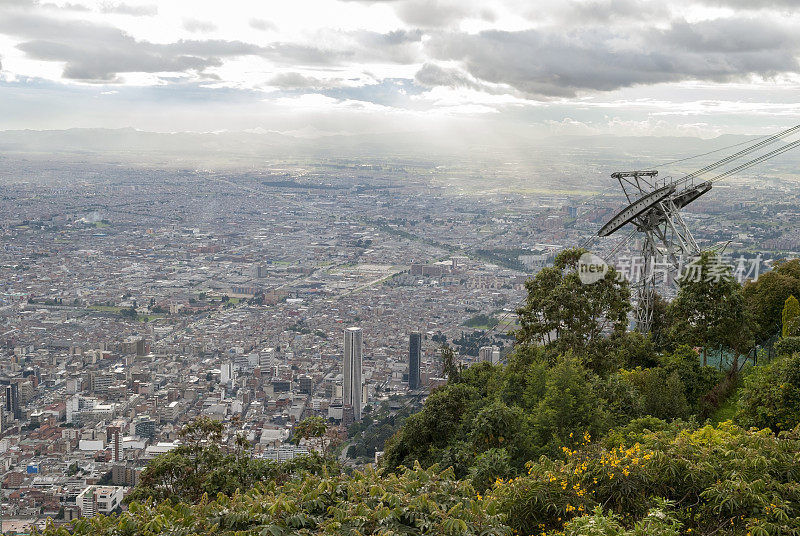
pixel 12 400
pixel 414 357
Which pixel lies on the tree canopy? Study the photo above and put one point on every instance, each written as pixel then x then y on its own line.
pixel 568 315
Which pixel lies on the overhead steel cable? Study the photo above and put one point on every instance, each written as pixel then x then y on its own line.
pixel 758 160
pixel 678 161
pixel 728 159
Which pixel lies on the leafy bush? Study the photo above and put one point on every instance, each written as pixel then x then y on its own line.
pixel 770 397
pixel 658 522
pixel 525 408
pixel 662 393
pixel 416 501
pixel 697 380
pixel 488 467
pixel 788 346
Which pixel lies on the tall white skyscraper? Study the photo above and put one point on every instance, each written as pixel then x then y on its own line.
pixel 226 373
pixel 353 351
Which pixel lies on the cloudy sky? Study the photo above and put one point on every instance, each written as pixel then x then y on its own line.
pixel 312 67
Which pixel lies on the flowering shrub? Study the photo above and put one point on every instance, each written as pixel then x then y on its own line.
pixel 720 479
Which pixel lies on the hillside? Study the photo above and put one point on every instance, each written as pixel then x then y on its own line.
pixel 599 432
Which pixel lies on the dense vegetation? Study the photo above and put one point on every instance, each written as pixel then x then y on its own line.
pixel 587 430
pixel 376 426
pixel 203 465
pixel 504 416
pixel 413 502
pixel 709 480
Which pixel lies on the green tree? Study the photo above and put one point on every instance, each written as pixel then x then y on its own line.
pixel 660 327
pixel 766 297
pixel 440 423
pixel 202 464
pixel 450 368
pixel 495 425
pixel 570 406
pixel 73 469
pixel 697 380
pixel 709 309
pixel 313 430
pixel 563 312
pixel 488 466
pixel 789 316
pixel 663 394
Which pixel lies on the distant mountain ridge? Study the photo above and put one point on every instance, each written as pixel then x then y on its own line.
pixel 127 139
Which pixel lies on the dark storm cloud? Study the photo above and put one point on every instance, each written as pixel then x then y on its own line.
pixel 399 46
pixel 552 64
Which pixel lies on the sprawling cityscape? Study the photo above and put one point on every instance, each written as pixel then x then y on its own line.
pixel 399 268
pixel 136 299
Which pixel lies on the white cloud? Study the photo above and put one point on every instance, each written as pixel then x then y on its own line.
pixel 564 66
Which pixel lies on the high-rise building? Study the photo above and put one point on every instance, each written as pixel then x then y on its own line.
pixel 226 373
pixel 12 401
pixel 489 354
pixel 353 352
pixel 306 385
pixel 114 439
pixel 266 357
pixel 95 500
pixel 414 358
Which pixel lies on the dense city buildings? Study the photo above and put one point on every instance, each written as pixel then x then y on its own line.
pixel 136 298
